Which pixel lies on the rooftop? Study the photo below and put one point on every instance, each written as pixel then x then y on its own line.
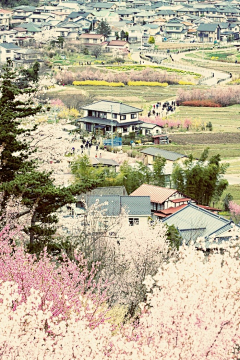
pixel 114 204
pixel 91 36
pixel 194 221
pixel 157 194
pixel 111 106
pixel 168 155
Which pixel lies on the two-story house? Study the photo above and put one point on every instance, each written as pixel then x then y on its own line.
pixel 92 39
pixel 5 19
pixel 175 29
pixel 110 116
pixel 161 198
pixel 171 157
pixel 7 51
pixel 208 33
pixel 113 201
pixel 7 36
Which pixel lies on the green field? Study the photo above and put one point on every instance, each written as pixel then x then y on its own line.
pixel 224 119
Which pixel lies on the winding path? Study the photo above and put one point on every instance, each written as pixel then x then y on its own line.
pixel 211 77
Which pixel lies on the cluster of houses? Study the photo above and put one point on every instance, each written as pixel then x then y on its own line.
pixel 166 20
pixel 149 203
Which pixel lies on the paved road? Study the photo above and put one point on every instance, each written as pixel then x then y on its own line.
pixel 233 179
pixel 177 63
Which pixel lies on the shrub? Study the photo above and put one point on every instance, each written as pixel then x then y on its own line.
pixel 222 96
pixel 146 83
pixel 203 103
pixel 235 82
pixel 98 83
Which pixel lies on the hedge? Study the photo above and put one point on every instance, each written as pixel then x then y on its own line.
pixel 146 83
pixel 182 82
pixel 198 103
pixel 98 83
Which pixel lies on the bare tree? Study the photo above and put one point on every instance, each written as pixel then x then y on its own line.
pixel 96 51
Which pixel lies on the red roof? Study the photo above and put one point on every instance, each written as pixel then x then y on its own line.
pixel 117 43
pixel 172 210
pixel 5 11
pixel 157 194
pixel 210 208
pixel 180 200
pixel 94 44
pixel 91 36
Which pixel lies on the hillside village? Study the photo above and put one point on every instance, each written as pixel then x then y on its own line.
pixel 119 180
pixel 129 22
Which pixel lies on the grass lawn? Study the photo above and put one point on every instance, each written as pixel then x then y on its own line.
pixel 234 190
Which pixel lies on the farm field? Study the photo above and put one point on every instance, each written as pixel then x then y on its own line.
pixel 226 55
pixel 223 119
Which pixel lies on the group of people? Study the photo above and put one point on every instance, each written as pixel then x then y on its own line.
pixel 87 146
pixel 161 109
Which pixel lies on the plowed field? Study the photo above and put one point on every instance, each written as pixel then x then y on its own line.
pixel 205 138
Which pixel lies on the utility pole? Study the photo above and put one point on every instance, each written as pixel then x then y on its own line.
pixel 112 127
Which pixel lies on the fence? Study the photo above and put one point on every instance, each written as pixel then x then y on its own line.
pixel 117 141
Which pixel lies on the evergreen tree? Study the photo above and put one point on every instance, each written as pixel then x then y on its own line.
pixel 122 34
pixel 29 75
pixel 201 180
pixel 104 28
pixel 20 179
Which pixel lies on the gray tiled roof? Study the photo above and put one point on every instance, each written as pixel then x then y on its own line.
pixel 117 108
pixel 139 205
pixel 136 205
pixel 193 222
pixel 207 27
pixel 101 161
pixel 94 120
pixel 169 155
pixel 109 190
pixel 112 206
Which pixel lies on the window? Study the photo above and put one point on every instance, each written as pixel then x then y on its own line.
pixel 8 51
pixel 88 127
pixel 133 221
pixel 114 116
pixel 123 117
pixel 133 116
